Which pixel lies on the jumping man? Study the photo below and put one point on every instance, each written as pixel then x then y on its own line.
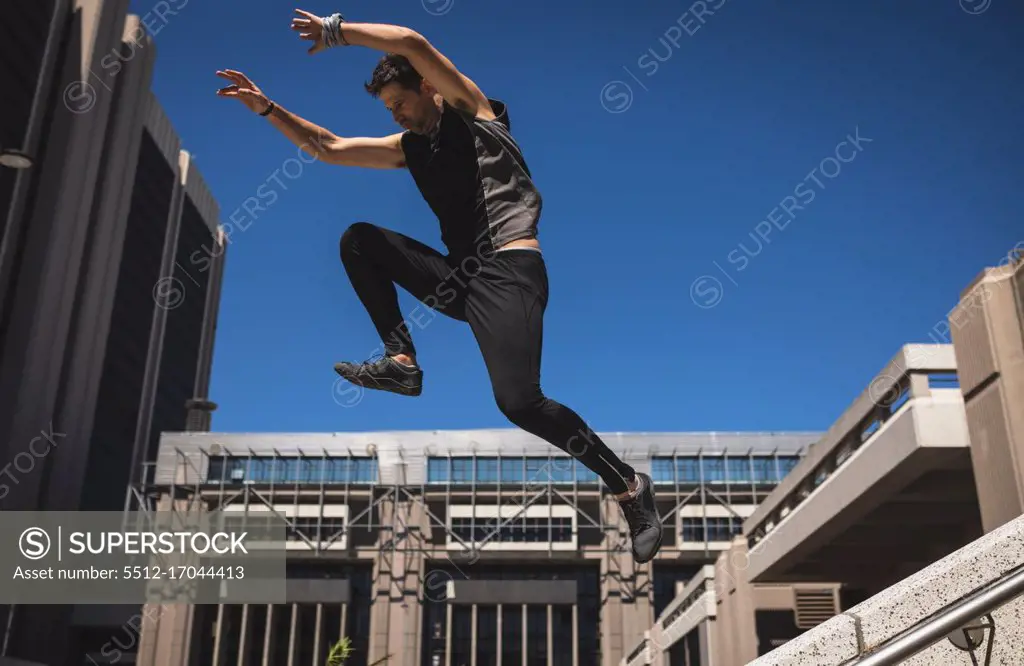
pixel 457 145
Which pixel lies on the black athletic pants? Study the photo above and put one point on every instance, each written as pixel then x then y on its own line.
pixel 503 298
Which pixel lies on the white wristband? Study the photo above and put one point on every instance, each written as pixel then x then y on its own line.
pixel 332 30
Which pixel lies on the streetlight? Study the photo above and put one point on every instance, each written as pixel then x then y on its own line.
pixel 15 159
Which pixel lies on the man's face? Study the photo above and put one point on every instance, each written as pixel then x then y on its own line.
pixel 413 110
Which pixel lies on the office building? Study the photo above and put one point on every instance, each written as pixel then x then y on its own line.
pixel 452 547
pixel 107 318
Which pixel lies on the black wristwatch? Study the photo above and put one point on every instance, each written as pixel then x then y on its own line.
pixel 269 109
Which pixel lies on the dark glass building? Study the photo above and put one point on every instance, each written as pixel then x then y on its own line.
pixel 103 339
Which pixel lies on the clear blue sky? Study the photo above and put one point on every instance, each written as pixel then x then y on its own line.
pixel 639 204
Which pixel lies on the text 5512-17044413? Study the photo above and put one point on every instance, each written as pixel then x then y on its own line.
pixel 184 572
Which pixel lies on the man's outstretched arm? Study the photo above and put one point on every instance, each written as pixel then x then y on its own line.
pixel 457 88
pixel 371 152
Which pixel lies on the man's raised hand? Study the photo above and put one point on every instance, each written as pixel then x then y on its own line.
pixel 310 27
pixel 244 90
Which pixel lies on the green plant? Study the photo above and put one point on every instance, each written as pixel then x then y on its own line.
pixel 342 650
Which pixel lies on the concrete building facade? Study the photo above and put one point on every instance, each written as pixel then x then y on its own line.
pixel 111 261
pixel 987 329
pixel 928 459
pixel 454 547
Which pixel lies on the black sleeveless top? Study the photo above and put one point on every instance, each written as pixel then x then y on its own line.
pixel 473 176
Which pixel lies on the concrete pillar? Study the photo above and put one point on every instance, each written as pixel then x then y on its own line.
pixel 733 635
pixel 706 640
pixel 165 640
pixel 41 308
pixel 56 228
pixel 625 615
pixel 987 329
pixel 396 616
pixel 101 261
pixel 200 414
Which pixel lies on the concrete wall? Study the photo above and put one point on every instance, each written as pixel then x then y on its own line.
pixel 873 623
pixel 988 335
pixel 735 635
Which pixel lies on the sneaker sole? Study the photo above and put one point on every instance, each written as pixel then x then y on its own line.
pixel 661 532
pixel 391 386
pixel 657 548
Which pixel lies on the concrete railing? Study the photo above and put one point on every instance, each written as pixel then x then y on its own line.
pixel 924 430
pixel 919 600
pixel 906 376
pixel 693 605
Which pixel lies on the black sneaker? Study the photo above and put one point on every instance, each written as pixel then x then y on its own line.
pixel 383 373
pixel 645 529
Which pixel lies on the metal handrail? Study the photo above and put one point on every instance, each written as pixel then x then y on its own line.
pixel 935 629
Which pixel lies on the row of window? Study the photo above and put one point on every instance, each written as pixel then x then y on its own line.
pixel 700 530
pixel 471 530
pixel 517 530
pixel 270 528
pixel 664 470
pixel 469 470
pixel 270 469
pixel 722 469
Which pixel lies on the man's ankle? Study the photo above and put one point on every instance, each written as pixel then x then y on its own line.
pixel 631 487
pixel 405 359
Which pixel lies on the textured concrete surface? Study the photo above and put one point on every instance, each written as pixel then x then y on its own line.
pixel 1007 646
pixel 893 611
pixel 933 588
pixel 829 644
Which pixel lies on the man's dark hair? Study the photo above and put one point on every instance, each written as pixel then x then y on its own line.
pixel 393 68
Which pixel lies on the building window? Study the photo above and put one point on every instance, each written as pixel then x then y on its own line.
pixel 267 469
pixel 513 530
pixel 329 526
pixel 765 470
pixel 661 470
pixel 718 529
pixel 521 471
pixel 714 470
pixel 737 469
pixel 257 526
pixel 786 465
pixel 688 470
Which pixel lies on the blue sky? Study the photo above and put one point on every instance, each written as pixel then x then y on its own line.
pixel 683 295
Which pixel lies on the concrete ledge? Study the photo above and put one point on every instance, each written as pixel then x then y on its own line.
pixel 915 439
pixel 694 605
pixel 910 358
pixel 902 606
pixel 832 643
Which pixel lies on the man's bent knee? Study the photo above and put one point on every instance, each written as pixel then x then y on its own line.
pixel 519 406
pixel 356 233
